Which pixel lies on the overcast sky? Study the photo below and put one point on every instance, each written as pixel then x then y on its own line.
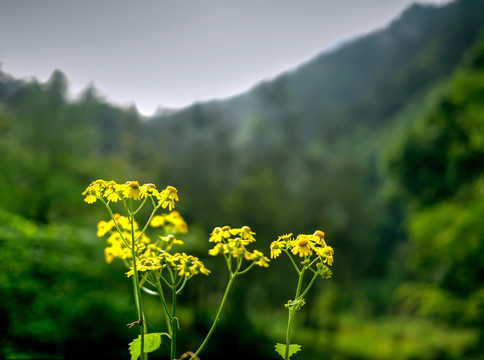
pixel 173 53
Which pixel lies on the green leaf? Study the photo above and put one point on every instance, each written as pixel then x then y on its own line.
pixel 293 348
pixel 152 342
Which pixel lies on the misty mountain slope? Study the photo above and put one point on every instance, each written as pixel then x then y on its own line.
pixel 323 108
pixel 365 80
pixel 311 140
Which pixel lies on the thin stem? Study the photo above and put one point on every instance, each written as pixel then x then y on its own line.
pixel 147 223
pixel 308 287
pixel 137 290
pixel 288 333
pixel 247 269
pixel 185 278
pixel 174 324
pixel 292 311
pixel 165 307
pixel 139 207
pixel 215 321
pixel 292 261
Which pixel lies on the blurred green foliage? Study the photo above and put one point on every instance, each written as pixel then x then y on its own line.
pixel 379 143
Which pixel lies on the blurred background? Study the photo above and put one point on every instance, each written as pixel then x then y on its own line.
pixel 379 142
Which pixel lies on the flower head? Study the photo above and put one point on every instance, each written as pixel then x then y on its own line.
pixel 259 259
pixel 168 197
pixel 112 192
pixel 302 246
pixel 276 248
pixel 216 235
pixel 132 190
pixel 148 190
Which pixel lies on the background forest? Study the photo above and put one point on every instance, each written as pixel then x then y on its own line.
pixel 380 143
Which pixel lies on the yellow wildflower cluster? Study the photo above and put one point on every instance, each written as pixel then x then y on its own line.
pixel 232 244
pixel 172 222
pixel 183 264
pixel 119 233
pixel 304 246
pixel 110 191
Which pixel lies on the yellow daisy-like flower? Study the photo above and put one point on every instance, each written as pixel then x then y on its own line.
pixel 236 248
pixel 216 235
pixel 326 254
pixel 276 248
pixel 124 223
pixel 179 225
pixel 111 192
pixel 246 234
pixel 103 227
pixel 198 267
pixel 259 259
pixel 168 197
pixel 157 221
pixel 302 246
pixel 148 190
pixel 169 241
pixel 285 238
pixel 145 265
pixel 95 187
pixel 90 198
pixel 227 232
pixel 132 190
pixel 218 249
pixel 116 248
pixel 320 237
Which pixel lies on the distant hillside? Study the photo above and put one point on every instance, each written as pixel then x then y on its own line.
pixel 323 109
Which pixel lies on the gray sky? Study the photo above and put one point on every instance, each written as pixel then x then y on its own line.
pixel 173 53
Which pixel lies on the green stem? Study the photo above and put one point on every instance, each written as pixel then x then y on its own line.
pixel 174 321
pixel 147 223
pixel 137 291
pixel 163 302
pixel 215 321
pixel 292 261
pixel 292 311
pixel 308 287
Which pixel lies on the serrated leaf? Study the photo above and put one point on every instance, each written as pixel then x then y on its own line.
pixel 281 349
pixel 151 343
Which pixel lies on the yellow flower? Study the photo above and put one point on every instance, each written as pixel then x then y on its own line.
pixel 217 249
pixel 302 246
pixel 95 186
pixel 111 192
pixel 259 259
pixel 247 234
pixel 124 223
pixel 326 254
pixel 90 198
pixel 157 221
pixel 285 238
pixel 145 265
pixel 132 190
pixel 169 241
pixel 116 248
pixel 236 248
pixel 216 235
pixel 179 225
pixel 276 248
pixel 103 227
pixel 168 197
pixel 226 232
pixel 320 237
pixel 148 190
